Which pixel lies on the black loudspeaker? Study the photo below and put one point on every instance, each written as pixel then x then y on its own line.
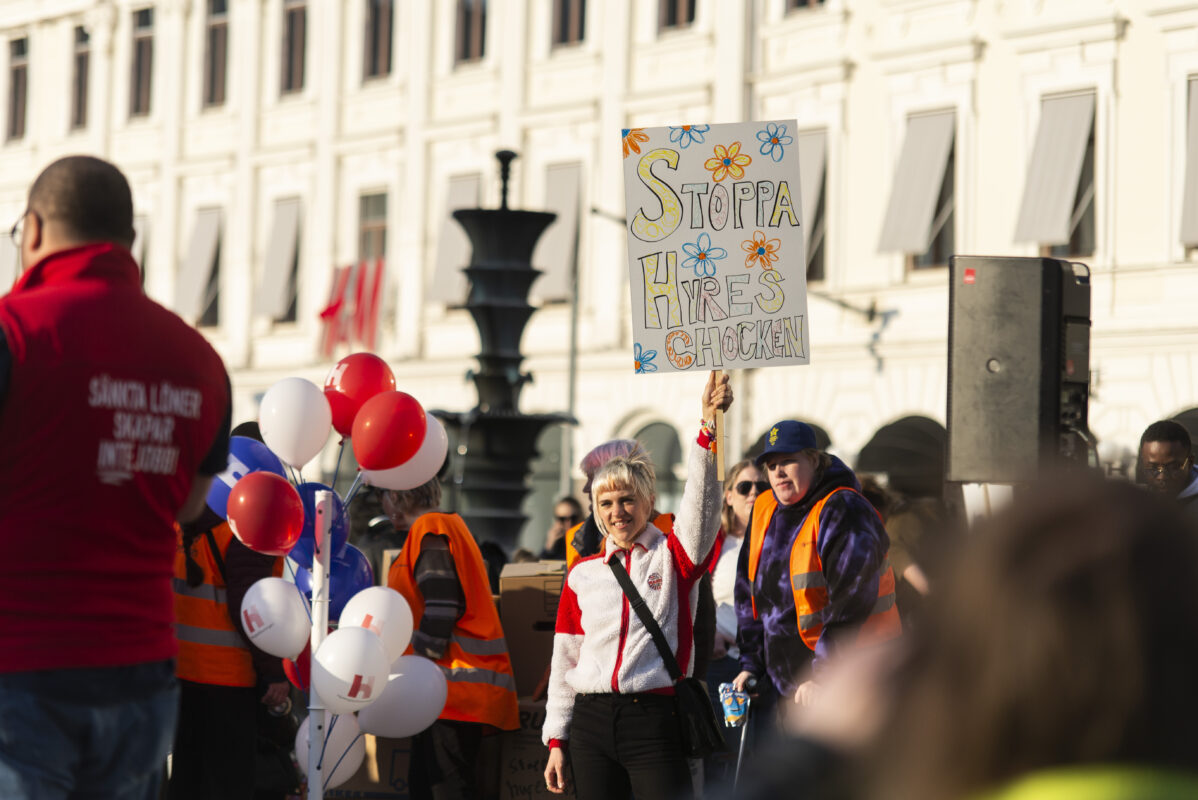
pixel 1018 367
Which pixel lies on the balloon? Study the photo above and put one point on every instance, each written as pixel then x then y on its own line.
pixel 349 573
pixel 388 430
pixel 350 669
pixel 301 553
pixel 420 468
pixel 299 669
pixel 414 698
pixel 275 618
pixel 384 611
pixel 246 455
pixel 266 514
pixel 344 749
pixel 295 418
pixel 351 382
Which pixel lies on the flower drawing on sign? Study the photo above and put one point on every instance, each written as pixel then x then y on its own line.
pixel 774 140
pixel 632 139
pixel 728 161
pixel 702 256
pixel 686 135
pixel 643 359
pixel 760 251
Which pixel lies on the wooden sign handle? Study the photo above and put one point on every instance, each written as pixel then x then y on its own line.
pixel 719 438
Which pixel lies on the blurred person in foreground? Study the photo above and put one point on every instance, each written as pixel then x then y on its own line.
pixel 441 573
pixel 1165 464
pixel 610 695
pixel 814 577
pixel 116 413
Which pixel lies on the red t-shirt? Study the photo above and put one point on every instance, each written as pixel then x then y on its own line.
pixel 113 405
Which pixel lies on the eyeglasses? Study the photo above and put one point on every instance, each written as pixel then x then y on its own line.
pixel 567 518
pixel 1172 467
pixel 744 487
pixel 17 231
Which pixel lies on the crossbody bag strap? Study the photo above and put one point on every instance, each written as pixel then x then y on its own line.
pixel 216 556
pixel 638 605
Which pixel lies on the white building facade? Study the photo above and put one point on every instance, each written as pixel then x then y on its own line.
pixel 293 163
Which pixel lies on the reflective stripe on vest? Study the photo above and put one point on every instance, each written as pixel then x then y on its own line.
pixel 211 648
pixel 480 647
pixel 475 675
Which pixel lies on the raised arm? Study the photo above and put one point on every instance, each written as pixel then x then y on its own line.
pixel 698 518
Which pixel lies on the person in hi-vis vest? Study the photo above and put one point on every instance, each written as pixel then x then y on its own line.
pixel 441 573
pixel 814 576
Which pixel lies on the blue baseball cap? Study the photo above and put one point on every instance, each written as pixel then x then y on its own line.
pixel 788 436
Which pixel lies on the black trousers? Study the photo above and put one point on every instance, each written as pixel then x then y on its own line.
pixel 445 762
pixel 215 743
pixel 628 743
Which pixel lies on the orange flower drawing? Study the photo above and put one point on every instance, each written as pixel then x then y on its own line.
pixel 728 161
pixel 760 251
pixel 632 139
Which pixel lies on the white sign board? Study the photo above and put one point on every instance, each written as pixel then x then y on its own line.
pixel 716 258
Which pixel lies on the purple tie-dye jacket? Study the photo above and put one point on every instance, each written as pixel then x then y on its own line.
pixel 852 546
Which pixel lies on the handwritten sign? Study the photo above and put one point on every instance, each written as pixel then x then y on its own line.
pixel 716 257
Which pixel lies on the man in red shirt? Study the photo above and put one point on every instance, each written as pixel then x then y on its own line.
pixel 115 415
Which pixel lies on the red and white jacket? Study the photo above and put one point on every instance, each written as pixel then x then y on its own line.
pixel 600 645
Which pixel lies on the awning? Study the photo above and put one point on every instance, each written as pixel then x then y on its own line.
pixel 917 181
pixel 190 300
pixel 277 289
pixel 813 148
pixel 447 284
pixel 557 248
pixel 1045 215
pixel 1189 203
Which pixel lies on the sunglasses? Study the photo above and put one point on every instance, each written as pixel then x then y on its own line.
pixel 566 518
pixel 744 487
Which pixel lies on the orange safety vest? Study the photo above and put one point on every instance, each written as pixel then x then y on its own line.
pixel 807 576
pixel 664 523
pixel 211 649
pixel 482 687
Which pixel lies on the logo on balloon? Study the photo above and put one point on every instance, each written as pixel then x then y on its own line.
pixel 361 686
pixel 372 624
pixel 253 621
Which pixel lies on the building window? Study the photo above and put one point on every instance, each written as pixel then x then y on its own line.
pixel 216 52
pixel 143 62
pixel 813 183
pixel 1189 202
pixel 210 318
pixel 295 27
pixel 569 21
pixel 919 218
pixel 377 41
pixel 471 30
pixel 79 82
pixel 18 85
pixel 815 247
pixel 675 13
pixel 372 227
pixel 943 242
pixel 791 5
pixel 1081 219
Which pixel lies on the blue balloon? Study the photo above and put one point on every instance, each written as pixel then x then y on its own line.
pixel 246 455
pixel 349 573
pixel 301 553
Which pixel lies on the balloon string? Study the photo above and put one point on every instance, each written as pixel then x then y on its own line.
pixel 329 773
pixel 353 490
pixel 291 571
pixel 337 469
pixel 291 473
pixel 327 735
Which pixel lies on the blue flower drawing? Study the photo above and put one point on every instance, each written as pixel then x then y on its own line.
pixel 702 256
pixel 774 140
pixel 686 135
pixel 643 359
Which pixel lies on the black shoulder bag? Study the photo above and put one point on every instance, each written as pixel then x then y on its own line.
pixel 701 734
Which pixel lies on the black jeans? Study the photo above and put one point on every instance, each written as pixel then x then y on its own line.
pixel 445 762
pixel 216 743
pixel 621 743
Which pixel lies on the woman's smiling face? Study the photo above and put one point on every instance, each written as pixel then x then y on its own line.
pixel 624 517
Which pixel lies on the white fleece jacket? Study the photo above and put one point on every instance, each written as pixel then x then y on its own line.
pixel 600 645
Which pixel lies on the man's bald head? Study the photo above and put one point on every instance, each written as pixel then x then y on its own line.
pixel 86 198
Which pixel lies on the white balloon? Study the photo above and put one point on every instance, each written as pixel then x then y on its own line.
pixel 295 420
pixel 344 750
pixel 274 615
pixel 384 611
pixel 414 698
pixel 349 671
pixel 420 468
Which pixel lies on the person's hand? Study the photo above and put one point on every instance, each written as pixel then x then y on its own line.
pixel 720 645
pixel 808 693
pixel 555 771
pixel 276 693
pixel 742 679
pixel 557 531
pixel 717 394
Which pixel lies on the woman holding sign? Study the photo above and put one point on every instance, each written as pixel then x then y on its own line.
pixel 610 701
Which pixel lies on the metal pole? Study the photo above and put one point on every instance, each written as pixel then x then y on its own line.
pixel 317 716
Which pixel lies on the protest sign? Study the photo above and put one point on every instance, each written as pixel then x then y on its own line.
pixel 716 257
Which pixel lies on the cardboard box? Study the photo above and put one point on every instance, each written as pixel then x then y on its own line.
pixel 383 774
pixel 528 611
pixel 523 758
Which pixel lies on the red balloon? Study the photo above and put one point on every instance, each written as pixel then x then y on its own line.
pixel 266 513
pixel 351 382
pixel 299 671
pixel 388 430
